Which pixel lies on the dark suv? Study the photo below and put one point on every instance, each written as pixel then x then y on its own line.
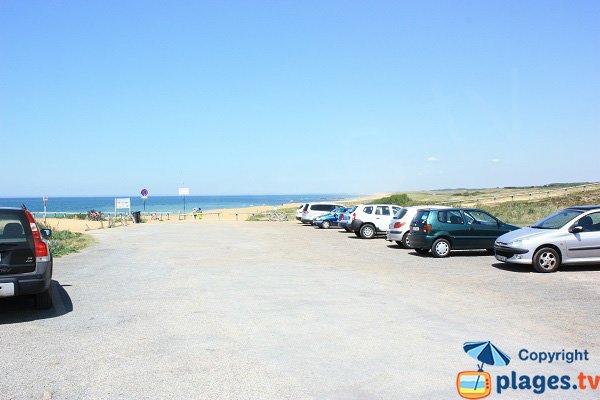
pixel 25 258
pixel 444 230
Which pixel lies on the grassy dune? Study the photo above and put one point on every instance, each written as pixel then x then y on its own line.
pixel 518 212
pixel 526 212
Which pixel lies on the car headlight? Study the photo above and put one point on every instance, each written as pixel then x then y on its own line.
pixel 516 243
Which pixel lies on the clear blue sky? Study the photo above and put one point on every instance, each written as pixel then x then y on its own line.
pixel 247 97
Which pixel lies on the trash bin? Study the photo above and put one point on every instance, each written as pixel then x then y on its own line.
pixel 137 217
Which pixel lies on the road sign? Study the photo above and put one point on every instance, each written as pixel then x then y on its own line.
pixel 184 191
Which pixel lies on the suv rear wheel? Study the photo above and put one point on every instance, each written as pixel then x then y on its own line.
pixel 367 231
pixel 546 259
pixel 441 248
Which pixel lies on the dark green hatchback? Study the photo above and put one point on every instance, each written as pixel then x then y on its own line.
pixel 444 230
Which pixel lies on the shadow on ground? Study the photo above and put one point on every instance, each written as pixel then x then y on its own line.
pixel 20 309
pixel 457 254
pixel 528 269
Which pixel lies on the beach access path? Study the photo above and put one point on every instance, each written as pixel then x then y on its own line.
pixel 259 310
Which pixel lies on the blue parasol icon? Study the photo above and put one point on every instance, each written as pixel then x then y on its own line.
pixel 487 353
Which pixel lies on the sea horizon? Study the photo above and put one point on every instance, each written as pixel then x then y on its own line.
pixel 82 204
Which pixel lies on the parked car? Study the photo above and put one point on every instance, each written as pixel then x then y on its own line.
pixel 444 230
pixel 314 210
pixel 399 227
pixel 330 219
pixel 345 219
pixel 570 236
pixel 25 258
pixel 299 211
pixel 368 220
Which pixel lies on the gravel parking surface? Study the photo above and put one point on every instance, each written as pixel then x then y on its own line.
pixel 256 310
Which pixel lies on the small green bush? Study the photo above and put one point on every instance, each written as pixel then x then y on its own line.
pixel 400 199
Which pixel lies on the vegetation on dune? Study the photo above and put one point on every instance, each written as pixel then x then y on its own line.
pixel 519 212
pixel 400 199
pixel 527 212
pixel 469 193
pixel 65 242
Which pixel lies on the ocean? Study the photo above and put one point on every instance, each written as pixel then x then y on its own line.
pixel 164 203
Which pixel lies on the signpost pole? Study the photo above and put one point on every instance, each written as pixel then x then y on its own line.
pixel 45 201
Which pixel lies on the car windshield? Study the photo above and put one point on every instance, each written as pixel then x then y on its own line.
pixel 557 220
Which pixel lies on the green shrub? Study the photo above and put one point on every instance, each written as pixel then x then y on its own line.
pixel 400 199
pixel 64 242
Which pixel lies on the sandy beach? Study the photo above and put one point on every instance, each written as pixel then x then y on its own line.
pixel 224 214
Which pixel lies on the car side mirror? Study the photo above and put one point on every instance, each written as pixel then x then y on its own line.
pixel 576 229
pixel 46 233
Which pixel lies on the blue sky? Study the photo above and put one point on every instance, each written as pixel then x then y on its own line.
pixel 243 97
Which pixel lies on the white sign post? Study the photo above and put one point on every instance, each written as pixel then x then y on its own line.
pixel 121 203
pixel 184 192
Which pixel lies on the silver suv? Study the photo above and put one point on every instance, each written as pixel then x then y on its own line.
pixel 570 236
pixel 25 258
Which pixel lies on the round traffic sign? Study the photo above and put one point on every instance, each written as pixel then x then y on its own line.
pixel 144 192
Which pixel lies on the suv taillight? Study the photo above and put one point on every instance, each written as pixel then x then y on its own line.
pixel 41 248
pixel 341 217
pixel 353 216
pixel 398 224
pixel 305 212
pixel 427 228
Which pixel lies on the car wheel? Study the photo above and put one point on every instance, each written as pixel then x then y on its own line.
pixel 367 231
pixel 406 240
pixel 43 300
pixel 325 225
pixel 357 234
pixel 441 248
pixel 546 260
pixel 422 251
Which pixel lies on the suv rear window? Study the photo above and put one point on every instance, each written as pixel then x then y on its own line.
pixel 12 228
pixel 306 207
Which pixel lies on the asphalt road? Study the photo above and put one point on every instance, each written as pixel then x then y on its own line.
pixel 254 310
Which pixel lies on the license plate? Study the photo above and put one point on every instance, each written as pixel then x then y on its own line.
pixel 415 228
pixel 501 258
pixel 7 289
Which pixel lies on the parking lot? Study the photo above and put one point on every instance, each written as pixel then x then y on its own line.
pixel 259 310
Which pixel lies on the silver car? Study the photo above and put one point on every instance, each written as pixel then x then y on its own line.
pixel 570 236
